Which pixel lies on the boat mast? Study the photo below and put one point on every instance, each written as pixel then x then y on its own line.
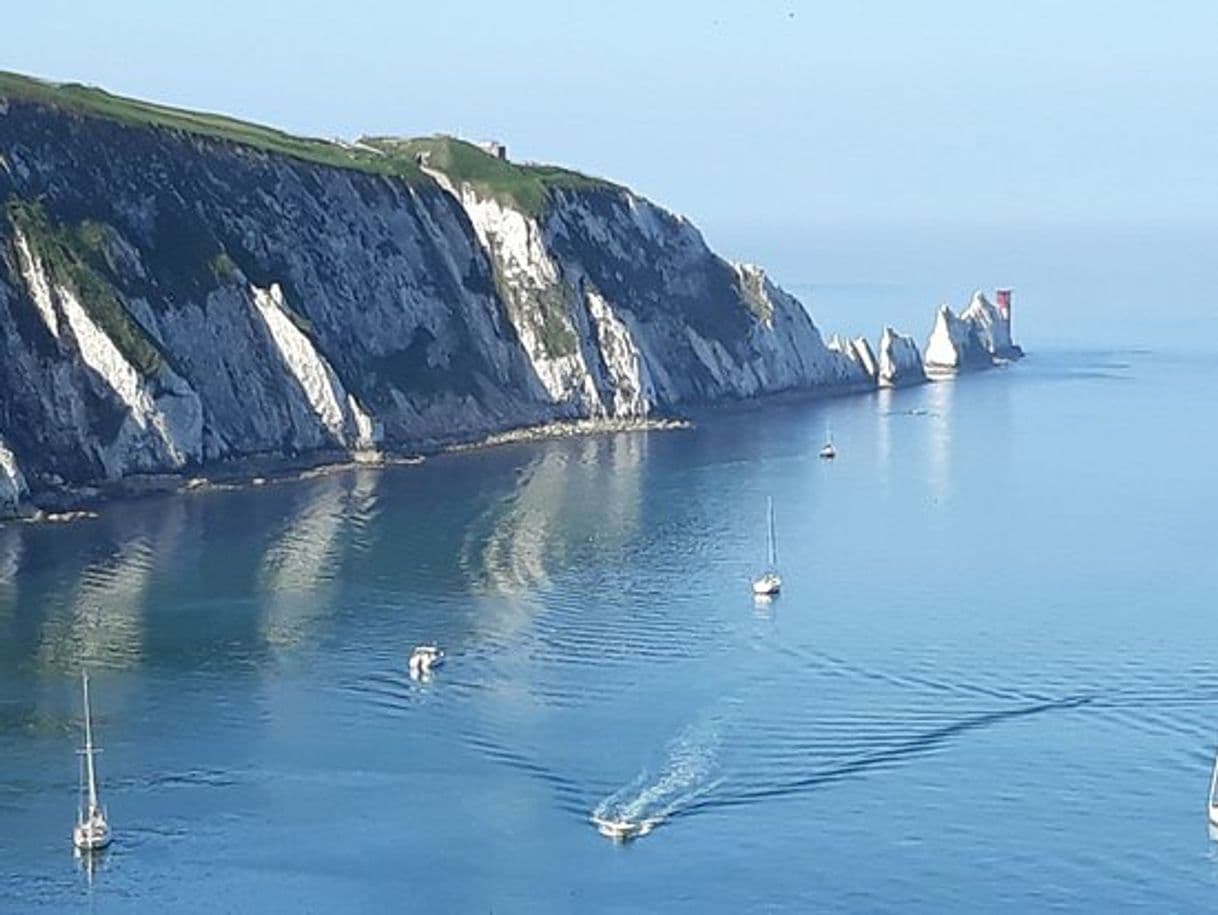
pixel 773 546
pixel 1214 783
pixel 92 777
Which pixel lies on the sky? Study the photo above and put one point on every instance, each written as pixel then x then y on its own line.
pixel 765 122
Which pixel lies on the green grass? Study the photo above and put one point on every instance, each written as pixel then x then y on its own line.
pixel 94 102
pixel 74 256
pixel 526 187
pixel 223 267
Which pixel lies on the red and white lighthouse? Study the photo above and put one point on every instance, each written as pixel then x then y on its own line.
pixel 1002 298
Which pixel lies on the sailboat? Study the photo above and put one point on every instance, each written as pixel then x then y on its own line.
pixel 827 451
pixel 92 832
pixel 1213 799
pixel 769 582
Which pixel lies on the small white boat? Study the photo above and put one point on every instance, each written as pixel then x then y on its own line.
pixel 618 830
pixel 828 451
pixel 92 831
pixel 424 659
pixel 767 585
pixel 1213 798
pixel 769 582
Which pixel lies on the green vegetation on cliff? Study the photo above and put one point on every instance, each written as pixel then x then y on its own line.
pixel 75 257
pixel 525 187
pixel 94 102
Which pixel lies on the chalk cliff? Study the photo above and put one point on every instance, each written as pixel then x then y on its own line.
pixel 900 361
pixel 976 338
pixel 178 289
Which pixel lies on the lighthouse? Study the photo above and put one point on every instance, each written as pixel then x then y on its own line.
pixel 1003 300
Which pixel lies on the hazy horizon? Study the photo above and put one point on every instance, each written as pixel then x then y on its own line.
pixel 837 147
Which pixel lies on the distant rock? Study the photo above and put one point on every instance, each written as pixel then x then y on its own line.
pixel 978 338
pixel 900 362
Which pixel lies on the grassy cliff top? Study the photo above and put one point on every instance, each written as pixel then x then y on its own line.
pixel 94 102
pixel 525 186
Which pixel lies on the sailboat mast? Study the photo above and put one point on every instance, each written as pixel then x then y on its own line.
pixel 92 778
pixel 773 546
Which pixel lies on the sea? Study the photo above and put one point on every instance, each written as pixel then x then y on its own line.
pixel 988 684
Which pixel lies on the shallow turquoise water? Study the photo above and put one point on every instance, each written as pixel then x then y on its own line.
pixel 989 681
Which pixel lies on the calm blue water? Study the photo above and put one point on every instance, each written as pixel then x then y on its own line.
pixel 990 680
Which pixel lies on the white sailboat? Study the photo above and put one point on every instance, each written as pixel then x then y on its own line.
pixel 1213 798
pixel 828 451
pixel 769 582
pixel 92 832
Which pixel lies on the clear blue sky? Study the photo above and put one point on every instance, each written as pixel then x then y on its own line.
pixel 904 144
pixel 780 114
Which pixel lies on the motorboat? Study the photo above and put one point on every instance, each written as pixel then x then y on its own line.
pixel 617 829
pixel 92 830
pixel 424 659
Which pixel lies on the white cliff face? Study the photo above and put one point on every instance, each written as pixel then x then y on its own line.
pixel 978 337
pixel 13 487
pixel 792 353
pixel 864 355
pixel 900 361
pixel 593 292
pixel 163 422
pixel 164 425
pixel 294 307
pixel 538 304
pixel 950 341
pixel 629 377
pixel 38 284
pixel 992 327
pixel 704 329
pixel 337 411
pixel 857 350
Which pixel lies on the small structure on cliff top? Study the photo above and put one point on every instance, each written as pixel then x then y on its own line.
pixel 494 148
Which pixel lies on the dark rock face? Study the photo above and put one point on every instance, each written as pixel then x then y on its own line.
pixel 168 299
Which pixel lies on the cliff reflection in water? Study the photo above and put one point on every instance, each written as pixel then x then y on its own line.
pixel 300 567
pixel 101 621
pixel 576 495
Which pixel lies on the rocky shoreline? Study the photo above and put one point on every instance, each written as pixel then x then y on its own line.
pixel 66 504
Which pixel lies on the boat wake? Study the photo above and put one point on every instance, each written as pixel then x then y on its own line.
pixel 654 796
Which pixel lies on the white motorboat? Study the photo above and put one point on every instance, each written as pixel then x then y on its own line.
pixel 769 582
pixel 619 830
pixel 92 831
pixel 1213 798
pixel 424 659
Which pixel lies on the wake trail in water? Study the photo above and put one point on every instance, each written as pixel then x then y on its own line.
pixel 654 796
pixel 919 744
